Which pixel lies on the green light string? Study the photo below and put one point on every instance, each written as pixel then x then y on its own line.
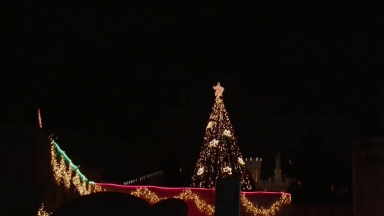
pixel 74 167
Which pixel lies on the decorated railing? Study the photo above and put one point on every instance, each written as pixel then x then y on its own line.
pixel 201 200
pixel 65 172
pixel 68 175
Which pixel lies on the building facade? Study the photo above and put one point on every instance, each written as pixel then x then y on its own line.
pixel 276 183
pixel 367 177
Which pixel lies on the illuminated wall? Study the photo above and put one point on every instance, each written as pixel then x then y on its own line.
pixel 201 200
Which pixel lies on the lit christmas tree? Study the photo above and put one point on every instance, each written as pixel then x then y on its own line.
pixel 220 155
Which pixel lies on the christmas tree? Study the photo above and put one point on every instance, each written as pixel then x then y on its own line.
pixel 220 155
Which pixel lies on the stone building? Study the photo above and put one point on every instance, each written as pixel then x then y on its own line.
pixel 367 177
pixel 275 183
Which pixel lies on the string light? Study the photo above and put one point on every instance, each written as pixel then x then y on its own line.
pixel 218 90
pixel 54 165
pixel 65 175
pixel 143 192
pixel 227 133
pixel 41 211
pixel 71 175
pixel 228 170
pixel 214 143
pixel 201 204
pixel 62 174
pixel 200 171
pixel 187 194
pixel 241 161
pixel 249 207
pixel 220 155
pixel 208 209
pixel 66 158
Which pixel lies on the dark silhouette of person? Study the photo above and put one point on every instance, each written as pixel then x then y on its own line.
pixel 116 204
pixel 105 203
pixel 19 198
pixel 171 207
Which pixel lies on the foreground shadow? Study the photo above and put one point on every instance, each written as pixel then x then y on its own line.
pixel 18 198
pixel 106 203
pixel 171 207
pixel 120 204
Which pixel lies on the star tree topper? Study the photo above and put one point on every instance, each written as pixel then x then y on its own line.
pixel 218 90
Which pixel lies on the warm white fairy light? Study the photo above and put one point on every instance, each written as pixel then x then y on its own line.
pixel 200 203
pixel 200 171
pixel 214 143
pixel 143 192
pixel 42 212
pixel 227 133
pixel 68 176
pixel 218 90
pixel 249 207
pixel 220 148
pixel 241 161
pixel 208 209
pixel 228 170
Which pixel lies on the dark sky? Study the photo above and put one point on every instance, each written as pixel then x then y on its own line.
pixel 125 85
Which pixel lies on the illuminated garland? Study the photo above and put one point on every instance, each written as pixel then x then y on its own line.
pixel 249 207
pixel 71 175
pixel 65 175
pixel 201 204
pixel 187 194
pixel 147 194
pixel 41 211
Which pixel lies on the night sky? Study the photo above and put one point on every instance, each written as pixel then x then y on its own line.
pixel 124 86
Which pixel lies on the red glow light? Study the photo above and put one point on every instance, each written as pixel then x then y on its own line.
pixel 39 118
pixel 182 188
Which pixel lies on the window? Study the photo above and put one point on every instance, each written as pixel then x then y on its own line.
pixel 255 175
